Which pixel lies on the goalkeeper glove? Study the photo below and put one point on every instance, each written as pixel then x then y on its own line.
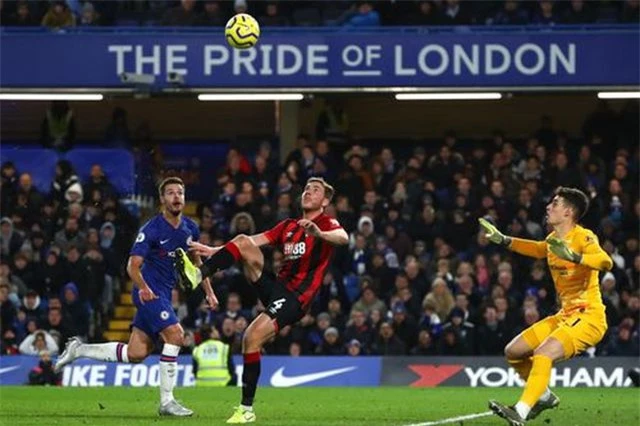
pixel 560 249
pixel 492 233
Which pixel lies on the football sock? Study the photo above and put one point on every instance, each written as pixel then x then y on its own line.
pixel 250 375
pixel 522 366
pixel 522 409
pixel 224 258
pixel 168 370
pixel 537 382
pixel 111 352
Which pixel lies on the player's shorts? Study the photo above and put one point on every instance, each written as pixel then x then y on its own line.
pixel 577 330
pixel 282 305
pixel 153 317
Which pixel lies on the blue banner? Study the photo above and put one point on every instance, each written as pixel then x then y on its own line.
pixel 475 58
pixel 117 164
pixel 279 371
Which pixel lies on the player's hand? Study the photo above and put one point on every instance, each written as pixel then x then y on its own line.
pixel 146 295
pixel 310 228
pixel 201 249
pixel 560 249
pixel 212 300
pixel 491 232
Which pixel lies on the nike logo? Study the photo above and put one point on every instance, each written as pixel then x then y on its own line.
pixel 280 380
pixel 7 369
pixel 164 241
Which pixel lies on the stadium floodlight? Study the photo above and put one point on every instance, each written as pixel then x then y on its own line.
pixel 478 96
pixel 51 97
pixel 618 95
pixel 250 97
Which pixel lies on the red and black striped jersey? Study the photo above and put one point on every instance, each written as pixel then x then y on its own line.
pixel 306 258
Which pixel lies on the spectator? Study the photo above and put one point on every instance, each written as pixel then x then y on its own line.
pixel 404 325
pixel 631 11
pixel 212 15
pixel 425 346
pixel 7 309
pixel 70 236
pixel 33 197
pixel 89 17
pixel 368 302
pixel 360 330
pixel 455 13
pixel 363 16
pixel 625 343
pixel 491 336
pixel 58 16
pixel 272 16
pixel 464 331
pixel 579 12
pixel 9 344
pixel 387 342
pixel 33 308
pixel 331 344
pixel 425 15
pixel 74 311
pixel 39 341
pixel 183 15
pixel 510 14
pixel 43 373
pixel 440 297
pixel 66 187
pixel 333 123
pixel 546 15
pixel 10 239
pixel 22 16
pixel 354 348
pixel 117 133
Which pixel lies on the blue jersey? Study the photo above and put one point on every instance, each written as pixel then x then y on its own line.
pixel 156 243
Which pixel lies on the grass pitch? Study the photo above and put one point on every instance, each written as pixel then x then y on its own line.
pixel 389 406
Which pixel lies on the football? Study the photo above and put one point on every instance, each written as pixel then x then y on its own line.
pixel 242 31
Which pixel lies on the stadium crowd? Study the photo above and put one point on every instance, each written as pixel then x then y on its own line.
pixel 418 278
pixel 71 13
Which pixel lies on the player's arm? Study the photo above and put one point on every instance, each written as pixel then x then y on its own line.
pixel 592 256
pixel 337 237
pixel 134 269
pixel 531 248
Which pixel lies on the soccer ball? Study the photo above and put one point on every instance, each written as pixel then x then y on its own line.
pixel 242 31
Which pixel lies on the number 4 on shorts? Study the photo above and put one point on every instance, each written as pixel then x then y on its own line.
pixel 276 305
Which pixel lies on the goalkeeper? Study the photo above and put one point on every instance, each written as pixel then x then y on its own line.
pixel 574 257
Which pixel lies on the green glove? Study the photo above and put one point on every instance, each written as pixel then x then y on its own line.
pixel 560 249
pixel 492 233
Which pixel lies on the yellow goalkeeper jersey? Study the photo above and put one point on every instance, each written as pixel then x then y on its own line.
pixel 577 285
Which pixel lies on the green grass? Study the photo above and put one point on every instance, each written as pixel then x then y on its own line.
pixel 305 406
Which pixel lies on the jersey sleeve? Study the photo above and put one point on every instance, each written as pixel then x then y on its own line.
pixel 593 255
pixel 531 248
pixel 142 244
pixel 275 234
pixel 329 224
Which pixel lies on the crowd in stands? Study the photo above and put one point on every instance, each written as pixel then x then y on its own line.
pixel 71 13
pixel 417 278
pixel 61 258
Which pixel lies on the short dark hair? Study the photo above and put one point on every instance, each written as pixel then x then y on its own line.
pixel 169 181
pixel 576 199
pixel 328 189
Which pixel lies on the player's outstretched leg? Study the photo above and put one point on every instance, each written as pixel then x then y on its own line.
pixel 241 248
pixel 110 352
pixel 173 337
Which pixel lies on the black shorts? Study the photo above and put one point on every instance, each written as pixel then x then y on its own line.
pixel 281 304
